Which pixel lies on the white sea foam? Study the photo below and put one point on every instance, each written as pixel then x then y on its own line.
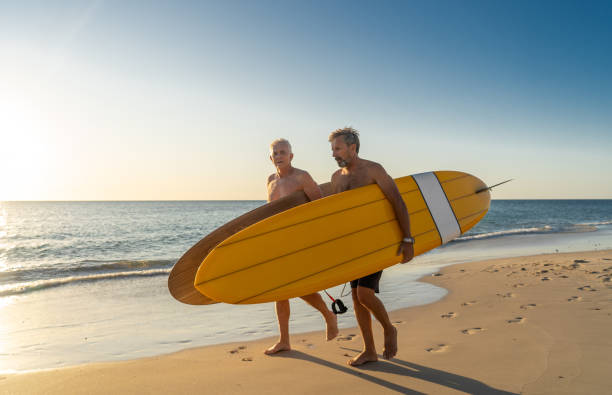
pixel 609 222
pixel 500 233
pixel 25 287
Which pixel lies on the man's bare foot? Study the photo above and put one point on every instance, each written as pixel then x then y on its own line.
pixel 278 347
pixel 390 344
pixel 332 327
pixel 364 357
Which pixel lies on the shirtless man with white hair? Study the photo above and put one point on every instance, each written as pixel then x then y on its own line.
pixel 285 181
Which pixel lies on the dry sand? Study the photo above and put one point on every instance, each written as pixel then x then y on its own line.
pixel 532 325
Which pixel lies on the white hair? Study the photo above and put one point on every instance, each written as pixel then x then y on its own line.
pixel 280 141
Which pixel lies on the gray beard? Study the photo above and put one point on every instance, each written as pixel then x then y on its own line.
pixel 341 163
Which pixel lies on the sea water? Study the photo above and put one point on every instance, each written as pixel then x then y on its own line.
pixel 87 281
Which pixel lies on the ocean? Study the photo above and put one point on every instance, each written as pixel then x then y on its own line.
pixel 87 281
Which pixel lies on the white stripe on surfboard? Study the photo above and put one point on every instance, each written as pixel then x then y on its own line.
pixel 438 205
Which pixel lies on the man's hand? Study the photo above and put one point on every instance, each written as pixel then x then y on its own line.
pixel 407 249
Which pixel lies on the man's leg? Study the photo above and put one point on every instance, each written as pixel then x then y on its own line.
pixel 368 298
pixel 331 321
pixel 283 311
pixel 365 326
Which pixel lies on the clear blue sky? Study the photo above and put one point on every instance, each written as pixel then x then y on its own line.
pixel 152 100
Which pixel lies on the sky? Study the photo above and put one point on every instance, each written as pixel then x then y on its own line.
pixel 152 100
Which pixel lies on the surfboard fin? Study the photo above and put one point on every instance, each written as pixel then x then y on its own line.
pixel 493 186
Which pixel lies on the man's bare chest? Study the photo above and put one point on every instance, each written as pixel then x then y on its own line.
pixel 352 181
pixel 282 187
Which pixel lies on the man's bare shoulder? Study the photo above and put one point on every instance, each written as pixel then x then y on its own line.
pixel 373 167
pixel 271 177
pixel 301 174
pixel 336 173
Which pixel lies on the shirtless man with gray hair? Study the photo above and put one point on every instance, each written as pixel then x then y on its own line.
pixel 356 172
pixel 285 181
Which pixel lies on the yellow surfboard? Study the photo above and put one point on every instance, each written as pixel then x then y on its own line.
pixel 339 238
pixel 181 278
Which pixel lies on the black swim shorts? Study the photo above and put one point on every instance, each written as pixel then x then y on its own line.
pixel 371 281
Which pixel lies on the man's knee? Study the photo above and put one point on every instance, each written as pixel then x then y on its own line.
pixel 362 294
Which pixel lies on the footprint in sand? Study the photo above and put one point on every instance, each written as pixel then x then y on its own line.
pixel 449 315
pixel 587 288
pixel 528 306
pixel 564 276
pixel 345 338
pixel 437 348
pixel 519 285
pixel 471 302
pixel 507 295
pixel 516 320
pixel 236 350
pixel 574 298
pixel 471 331
pixel 580 261
pixel 545 279
pixel 398 322
pixel 247 359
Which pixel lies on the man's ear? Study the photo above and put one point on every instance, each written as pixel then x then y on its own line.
pixel 271 160
pixel 291 156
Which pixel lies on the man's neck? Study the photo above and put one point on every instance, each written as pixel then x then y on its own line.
pixel 354 164
pixel 284 171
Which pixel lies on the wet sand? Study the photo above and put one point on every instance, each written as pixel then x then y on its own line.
pixel 532 325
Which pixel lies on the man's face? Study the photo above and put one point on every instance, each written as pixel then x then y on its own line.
pixel 343 154
pixel 281 155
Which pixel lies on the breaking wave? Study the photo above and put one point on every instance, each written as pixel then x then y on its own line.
pixel 30 286
pixel 543 229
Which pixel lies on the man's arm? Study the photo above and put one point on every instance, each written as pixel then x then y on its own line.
pixel 311 189
pixel 270 178
pixel 389 189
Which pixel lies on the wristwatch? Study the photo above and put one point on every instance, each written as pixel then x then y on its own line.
pixel 408 240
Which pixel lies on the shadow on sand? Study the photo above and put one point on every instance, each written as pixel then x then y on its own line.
pixel 401 368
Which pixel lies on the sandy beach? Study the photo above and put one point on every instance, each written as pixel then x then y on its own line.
pixel 529 325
